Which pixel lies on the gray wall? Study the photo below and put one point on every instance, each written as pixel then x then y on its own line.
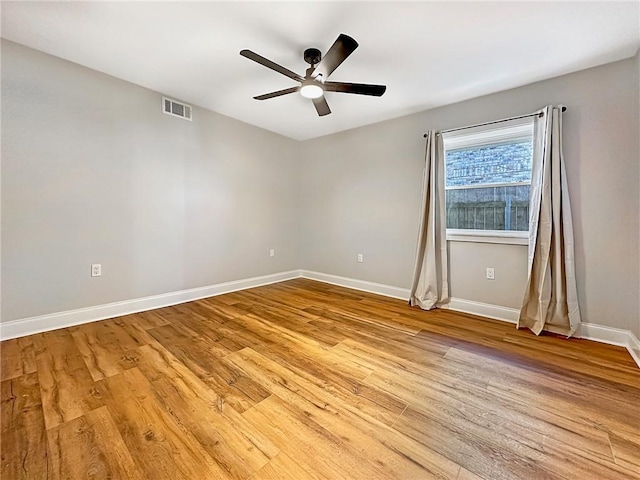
pixel 93 172
pixel 362 195
pixel 637 107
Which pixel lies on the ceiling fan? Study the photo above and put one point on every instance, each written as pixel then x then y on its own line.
pixel 314 84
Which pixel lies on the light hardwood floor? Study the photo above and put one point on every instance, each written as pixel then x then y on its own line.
pixel 305 380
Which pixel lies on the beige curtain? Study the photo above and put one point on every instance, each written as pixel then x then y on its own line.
pixel 550 301
pixel 430 287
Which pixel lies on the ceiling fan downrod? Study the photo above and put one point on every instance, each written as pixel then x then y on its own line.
pixel 312 56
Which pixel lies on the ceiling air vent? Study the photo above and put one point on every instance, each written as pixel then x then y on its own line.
pixel 175 108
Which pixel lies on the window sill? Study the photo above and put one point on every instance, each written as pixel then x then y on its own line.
pixel 485 236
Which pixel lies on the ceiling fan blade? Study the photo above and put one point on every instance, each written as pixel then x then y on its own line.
pixel 357 88
pixel 269 64
pixel 322 107
pixel 279 93
pixel 341 49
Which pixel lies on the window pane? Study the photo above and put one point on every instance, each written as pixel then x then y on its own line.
pixel 500 163
pixel 486 201
pixel 489 208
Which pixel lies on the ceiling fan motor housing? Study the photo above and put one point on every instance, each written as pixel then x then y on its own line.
pixel 312 56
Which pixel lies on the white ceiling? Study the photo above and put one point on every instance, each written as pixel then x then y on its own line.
pixel 427 53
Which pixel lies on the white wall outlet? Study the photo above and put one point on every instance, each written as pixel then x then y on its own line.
pixel 491 274
pixel 272 252
pixel 96 269
pixel 360 258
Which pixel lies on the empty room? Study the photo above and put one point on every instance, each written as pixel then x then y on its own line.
pixel 320 240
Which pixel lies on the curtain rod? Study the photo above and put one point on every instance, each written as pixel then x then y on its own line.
pixel 564 109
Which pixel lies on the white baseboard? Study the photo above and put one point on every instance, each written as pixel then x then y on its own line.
pixel 588 331
pixel 612 336
pixel 43 323
pixel 496 312
pixel 362 285
pixel 634 349
pixel 600 333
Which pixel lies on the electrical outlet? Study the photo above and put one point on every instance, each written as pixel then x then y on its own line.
pixel 360 258
pixel 491 274
pixel 96 269
pixel 272 252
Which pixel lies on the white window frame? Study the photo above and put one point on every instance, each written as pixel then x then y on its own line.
pixel 513 130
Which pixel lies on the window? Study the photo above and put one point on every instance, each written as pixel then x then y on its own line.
pixel 487 182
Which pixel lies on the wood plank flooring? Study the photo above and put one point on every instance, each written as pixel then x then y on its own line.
pixel 304 380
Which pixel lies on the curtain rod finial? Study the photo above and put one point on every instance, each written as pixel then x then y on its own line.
pixel 425 135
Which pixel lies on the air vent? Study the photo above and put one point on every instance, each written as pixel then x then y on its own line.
pixel 175 108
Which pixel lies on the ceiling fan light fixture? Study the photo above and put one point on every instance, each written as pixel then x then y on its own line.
pixel 311 90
